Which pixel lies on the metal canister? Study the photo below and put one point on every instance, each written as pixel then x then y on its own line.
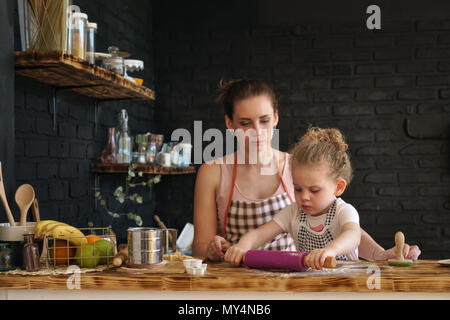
pixel 144 246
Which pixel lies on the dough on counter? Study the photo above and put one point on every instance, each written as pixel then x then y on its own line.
pixel 176 256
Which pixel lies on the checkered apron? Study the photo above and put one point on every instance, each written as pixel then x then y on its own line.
pixel 309 240
pixel 242 217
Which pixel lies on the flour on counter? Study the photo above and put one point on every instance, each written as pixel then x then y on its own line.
pixel 342 268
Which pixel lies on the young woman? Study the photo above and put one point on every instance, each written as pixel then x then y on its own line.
pixel 233 197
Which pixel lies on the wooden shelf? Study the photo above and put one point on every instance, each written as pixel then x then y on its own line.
pixel 64 71
pixel 147 169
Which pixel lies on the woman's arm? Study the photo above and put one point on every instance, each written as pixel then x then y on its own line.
pixel 251 240
pixel 206 244
pixel 370 250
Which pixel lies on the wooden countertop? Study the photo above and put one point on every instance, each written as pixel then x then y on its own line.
pixel 361 276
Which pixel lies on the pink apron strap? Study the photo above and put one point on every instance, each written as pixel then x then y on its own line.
pixel 284 185
pixel 230 197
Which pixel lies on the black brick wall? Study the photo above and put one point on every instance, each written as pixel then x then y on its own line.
pixel 7 101
pixel 386 90
pixel 57 163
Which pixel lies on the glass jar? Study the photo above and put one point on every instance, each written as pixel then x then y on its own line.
pixel 115 62
pixel 30 253
pixel 77 34
pixel 90 43
pixel 44 30
pixel 174 155
pixel 8 261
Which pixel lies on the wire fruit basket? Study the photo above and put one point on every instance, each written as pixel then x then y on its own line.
pixel 97 247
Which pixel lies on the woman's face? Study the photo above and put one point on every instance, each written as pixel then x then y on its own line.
pixel 257 118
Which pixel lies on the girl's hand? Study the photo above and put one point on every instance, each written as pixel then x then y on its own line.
pixel 217 248
pixel 235 255
pixel 409 252
pixel 316 258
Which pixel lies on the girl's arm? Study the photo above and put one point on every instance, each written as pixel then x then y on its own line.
pixel 347 241
pixel 251 240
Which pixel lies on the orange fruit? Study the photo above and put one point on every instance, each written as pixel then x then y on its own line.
pixel 91 238
pixel 61 252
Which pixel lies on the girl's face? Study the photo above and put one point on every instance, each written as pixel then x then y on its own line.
pixel 314 188
pixel 255 113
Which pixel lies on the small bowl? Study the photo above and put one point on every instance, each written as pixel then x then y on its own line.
pixel 194 263
pixel 196 271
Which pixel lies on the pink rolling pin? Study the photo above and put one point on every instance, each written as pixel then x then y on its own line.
pixel 288 260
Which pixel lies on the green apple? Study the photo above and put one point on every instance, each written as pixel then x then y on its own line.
pixel 104 249
pixel 85 256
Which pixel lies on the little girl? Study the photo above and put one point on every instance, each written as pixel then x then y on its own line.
pixel 321 222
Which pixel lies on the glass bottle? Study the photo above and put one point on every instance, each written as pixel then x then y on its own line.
pixel 125 147
pixel 30 253
pixel 151 153
pixel 90 42
pixel 110 154
pixel 120 119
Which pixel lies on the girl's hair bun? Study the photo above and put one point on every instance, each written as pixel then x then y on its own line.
pixel 329 145
pixel 331 136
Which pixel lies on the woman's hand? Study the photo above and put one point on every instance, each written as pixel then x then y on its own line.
pixel 217 248
pixel 235 255
pixel 316 258
pixel 409 252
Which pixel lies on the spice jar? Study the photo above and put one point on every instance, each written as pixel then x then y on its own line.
pixel 90 43
pixel 8 259
pixel 77 35
pixel 115 62
pixel 30 253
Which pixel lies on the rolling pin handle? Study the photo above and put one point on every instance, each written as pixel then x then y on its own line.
pixel 330 263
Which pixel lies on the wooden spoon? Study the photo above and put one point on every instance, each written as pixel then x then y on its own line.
pixel 4 200
pixel 24 199
pixel 35 210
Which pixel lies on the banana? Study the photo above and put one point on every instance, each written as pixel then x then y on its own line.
pixel 69 233
pixel 39 227
pixel 48 229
